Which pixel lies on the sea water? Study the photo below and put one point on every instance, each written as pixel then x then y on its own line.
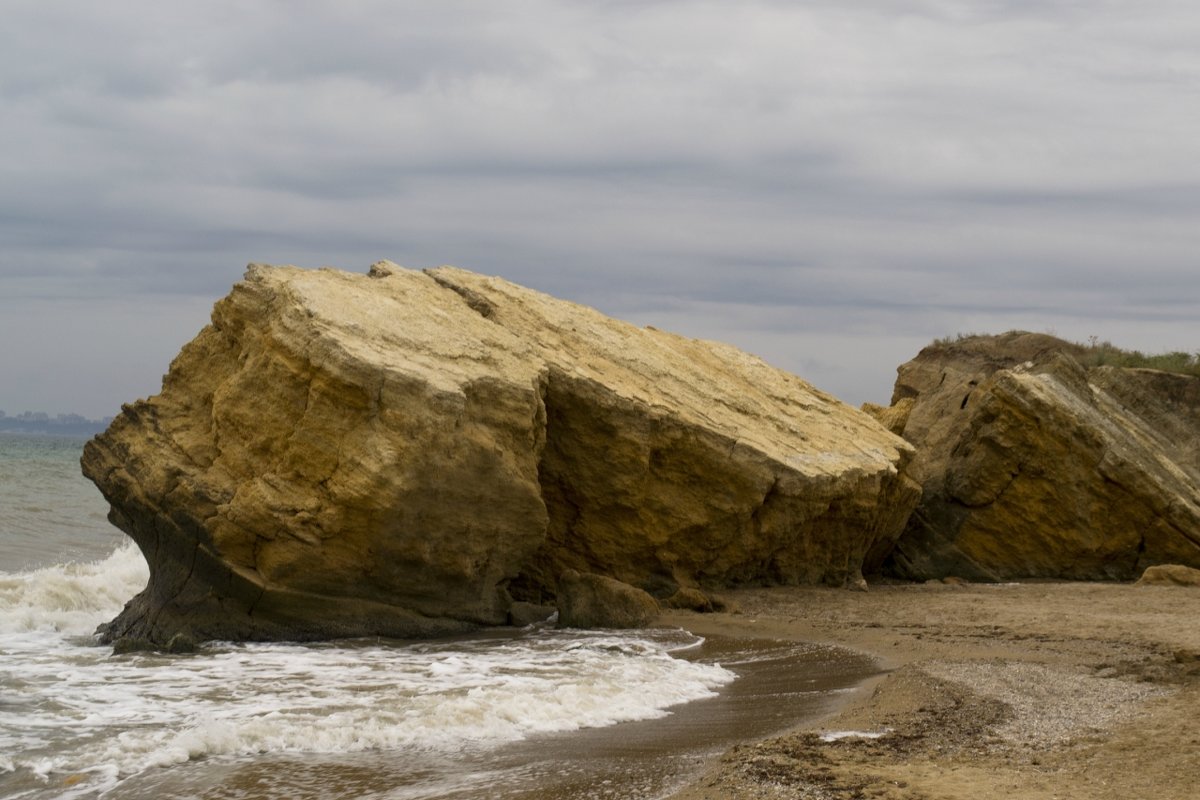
pixel 528 713
pixel 49 513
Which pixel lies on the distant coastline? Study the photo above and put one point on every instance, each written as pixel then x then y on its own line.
pixel 39 422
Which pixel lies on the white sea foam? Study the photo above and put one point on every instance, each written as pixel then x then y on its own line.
pixel 70 598
pixel 834 736
pixel 70 708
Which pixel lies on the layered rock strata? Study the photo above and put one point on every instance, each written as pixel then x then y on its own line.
pixel 407 453
pixel 1034 466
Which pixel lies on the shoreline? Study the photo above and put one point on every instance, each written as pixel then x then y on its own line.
pixel 1033 690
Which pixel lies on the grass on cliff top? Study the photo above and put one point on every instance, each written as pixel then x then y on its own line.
pixel 1099 354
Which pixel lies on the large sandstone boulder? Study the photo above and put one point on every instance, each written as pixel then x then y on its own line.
pixel 1034 466
pixel 407 453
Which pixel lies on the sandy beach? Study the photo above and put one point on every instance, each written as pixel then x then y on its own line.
pixel 1037 690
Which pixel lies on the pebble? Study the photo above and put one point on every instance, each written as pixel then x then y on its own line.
pixel 1049 706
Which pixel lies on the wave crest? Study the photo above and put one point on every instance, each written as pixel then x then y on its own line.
pixel 71 598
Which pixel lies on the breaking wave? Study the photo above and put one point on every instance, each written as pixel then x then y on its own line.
pixel 76 720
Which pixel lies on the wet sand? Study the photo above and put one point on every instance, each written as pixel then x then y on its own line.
pixel 779 682
pixel 1045 690
pixel 1069 691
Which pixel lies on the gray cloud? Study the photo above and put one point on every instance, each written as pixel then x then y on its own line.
pixel 829 184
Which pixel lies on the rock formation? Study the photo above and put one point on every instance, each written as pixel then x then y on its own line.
pixel 586 600
pixel 407 453
pixel 1170 575
pixel 1034 466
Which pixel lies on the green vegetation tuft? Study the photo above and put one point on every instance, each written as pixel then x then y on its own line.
pixel 958 338
pixel 1103 354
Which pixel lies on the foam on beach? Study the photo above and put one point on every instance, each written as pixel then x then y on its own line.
pixel 73 709
pixel 834 736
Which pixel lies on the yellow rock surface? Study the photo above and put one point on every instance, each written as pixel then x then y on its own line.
pixel 1035 467
pixel 406 452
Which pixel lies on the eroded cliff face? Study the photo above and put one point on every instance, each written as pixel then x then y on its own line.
pixel 1035 467
pixel 406 453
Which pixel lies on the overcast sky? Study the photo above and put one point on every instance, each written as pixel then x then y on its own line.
pixel 829 185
